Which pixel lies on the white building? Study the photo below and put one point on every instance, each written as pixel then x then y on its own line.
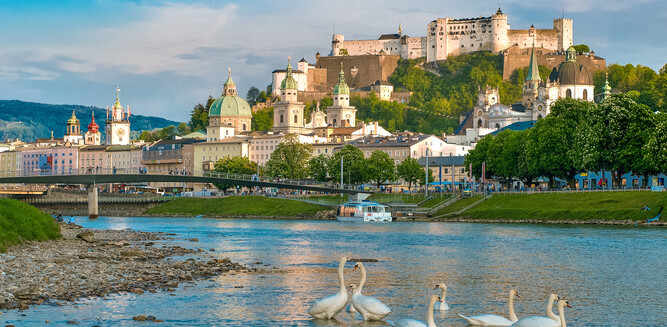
pixel 449 36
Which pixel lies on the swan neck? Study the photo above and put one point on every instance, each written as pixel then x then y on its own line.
pixel 429 314
pixel 363 279
pixel 550 305
pixel 510 304
pixel 561 314
pixel 341 278
pixel 444 295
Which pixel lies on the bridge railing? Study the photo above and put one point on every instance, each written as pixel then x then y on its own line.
pixel 285 182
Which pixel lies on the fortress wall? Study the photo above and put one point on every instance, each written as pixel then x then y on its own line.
pixel 545 38
pixel 317 80
pixel 369 69
pixel 355 48
pixel 520 58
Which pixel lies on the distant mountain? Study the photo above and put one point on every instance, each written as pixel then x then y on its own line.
pixel 28 121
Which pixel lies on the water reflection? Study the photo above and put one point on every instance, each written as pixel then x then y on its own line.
pixel 478 262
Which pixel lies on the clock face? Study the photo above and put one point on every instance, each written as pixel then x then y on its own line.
pixel 120 132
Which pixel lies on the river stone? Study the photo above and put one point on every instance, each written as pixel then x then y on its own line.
pixel 139 318
pixel 194 239
pixel 137 291
pixel 151 318
pixel 87 236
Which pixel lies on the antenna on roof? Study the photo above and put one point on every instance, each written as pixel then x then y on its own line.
pixel 563 12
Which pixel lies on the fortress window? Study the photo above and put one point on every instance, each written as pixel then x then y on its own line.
pixel 281 119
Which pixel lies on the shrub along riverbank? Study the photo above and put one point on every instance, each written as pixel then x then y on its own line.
pixel 20 222
pixel 590 206
pixel 237 206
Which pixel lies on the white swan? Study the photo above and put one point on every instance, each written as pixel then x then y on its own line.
pixel 330 306
pixel 417 323
pixel 561 314
pixel 442 305
pixel 541 321
pixel 369 307
pixel 495 320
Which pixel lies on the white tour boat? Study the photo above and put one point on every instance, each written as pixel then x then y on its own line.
pixel 363 211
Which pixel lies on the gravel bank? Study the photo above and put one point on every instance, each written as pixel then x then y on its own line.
pixel 97 263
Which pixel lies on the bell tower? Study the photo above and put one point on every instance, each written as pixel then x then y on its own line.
pixel 288 112
pixel 341 114
pixel 118 125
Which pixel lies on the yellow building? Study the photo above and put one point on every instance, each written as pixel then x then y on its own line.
pixel 206 154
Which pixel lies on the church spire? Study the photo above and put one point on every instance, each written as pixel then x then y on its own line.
pixel 341 87
pixel 533 69
pixel 289 83
pixel 400 29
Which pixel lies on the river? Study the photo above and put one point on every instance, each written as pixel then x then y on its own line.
pixel 612 276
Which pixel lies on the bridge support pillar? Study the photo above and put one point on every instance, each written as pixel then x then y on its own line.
pixel 93 212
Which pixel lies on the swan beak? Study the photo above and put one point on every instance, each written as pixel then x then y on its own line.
pixel 517 295
pixel 355 268
pixel 568 304
pixel 436 287
pixel 439 300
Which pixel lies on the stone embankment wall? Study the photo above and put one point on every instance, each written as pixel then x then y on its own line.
pixel 105 209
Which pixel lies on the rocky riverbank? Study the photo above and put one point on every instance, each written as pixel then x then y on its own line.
pixel 87 263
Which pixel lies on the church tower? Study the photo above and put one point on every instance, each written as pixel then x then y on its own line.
pixel 341 114
pixel 118 125
pixel 288 112
pixel 606 89
pixel 532 82
pixel 73 134
pixel 93 135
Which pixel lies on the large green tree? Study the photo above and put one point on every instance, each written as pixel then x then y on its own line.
pixel 262 120
pixel 353 161
pixel 655 149
pixel 318 167
pixel 199 115
pixel 409 170
pixel 290 158
pixel 379 168
pixel 619 129
pixel 235 165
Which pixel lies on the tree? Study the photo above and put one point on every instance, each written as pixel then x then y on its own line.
pixel 199 115
pixel 182 129
pixel 379 168
pixel 290 158
pixel 479 155
pixel 655 149
pixel 410 171
pixel 317 167
pixel 353 161
pixel 235 165
pixel 422 176
pixel 619 129
pixel 252 95
pixel 581 48
pixel 262 120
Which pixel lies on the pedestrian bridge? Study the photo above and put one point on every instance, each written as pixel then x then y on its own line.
pixel 106 177
pixel 89 178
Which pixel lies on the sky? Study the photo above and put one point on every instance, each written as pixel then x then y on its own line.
pixel 167 56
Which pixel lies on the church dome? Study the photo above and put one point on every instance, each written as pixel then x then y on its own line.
pixel 341 87
pixel 93 127
pixel 230 104
pixel 289 83
pixel 571 73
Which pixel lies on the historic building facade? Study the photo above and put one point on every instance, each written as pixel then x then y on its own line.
pixel 73 134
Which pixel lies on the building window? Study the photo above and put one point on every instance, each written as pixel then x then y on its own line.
pixel 281 119
pixel 296 119
pixel 568 93
pixel 585 94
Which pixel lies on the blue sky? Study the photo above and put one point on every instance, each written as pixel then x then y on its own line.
pixel 167 56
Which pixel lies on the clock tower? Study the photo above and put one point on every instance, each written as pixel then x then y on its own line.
pixel 118 124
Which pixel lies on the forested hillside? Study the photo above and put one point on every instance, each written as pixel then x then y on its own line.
pixel 29 120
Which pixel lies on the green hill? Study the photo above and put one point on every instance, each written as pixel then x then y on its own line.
pixel 29 120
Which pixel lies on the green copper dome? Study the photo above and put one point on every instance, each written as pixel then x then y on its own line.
pixel 230 104
pixel 341 87
pixel 289 82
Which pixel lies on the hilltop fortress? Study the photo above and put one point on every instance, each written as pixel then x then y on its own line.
pixel 449 36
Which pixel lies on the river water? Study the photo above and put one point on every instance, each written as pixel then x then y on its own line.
pixel 612 276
